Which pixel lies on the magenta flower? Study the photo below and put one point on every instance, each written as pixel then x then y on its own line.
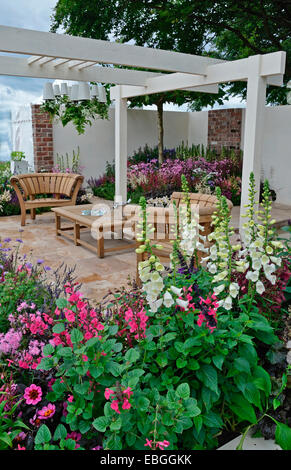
pixel 47 411
pixel 32 394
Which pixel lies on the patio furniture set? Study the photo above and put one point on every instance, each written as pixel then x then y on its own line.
pixel 120 222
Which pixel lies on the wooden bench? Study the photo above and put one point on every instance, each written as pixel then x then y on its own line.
pixel 163 220
pixel 29 186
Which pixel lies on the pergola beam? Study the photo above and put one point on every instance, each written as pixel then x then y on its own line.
pixel 38 43
pixel 238 70
pixel 17 66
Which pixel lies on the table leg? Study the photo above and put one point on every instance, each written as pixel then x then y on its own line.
pixel 58 224
pixel 76 233
pixel 100 243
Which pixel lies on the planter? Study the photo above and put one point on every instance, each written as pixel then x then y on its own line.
pixel 251 443
pixel 18 168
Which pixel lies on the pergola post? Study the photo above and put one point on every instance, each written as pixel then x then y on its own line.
pixel 120 147
pixel 254 121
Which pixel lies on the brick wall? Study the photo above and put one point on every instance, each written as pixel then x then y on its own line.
pixel 224 129
pixel 42 133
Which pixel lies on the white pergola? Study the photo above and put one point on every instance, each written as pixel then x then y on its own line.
pixel 59 56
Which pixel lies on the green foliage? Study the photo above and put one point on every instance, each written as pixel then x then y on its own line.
pixel 9 427
pixel 79 113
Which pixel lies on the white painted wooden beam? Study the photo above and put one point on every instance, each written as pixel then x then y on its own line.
pixel 25 41
pixel 237 70
pixel 120 148
pixel 128 91
pixel 33 59
pixel 17 66
pixel 253 134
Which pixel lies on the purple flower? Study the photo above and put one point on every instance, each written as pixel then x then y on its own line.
pixel 7 240
pixel 19 240
pixel 39 261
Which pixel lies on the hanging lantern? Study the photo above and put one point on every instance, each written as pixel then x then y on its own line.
pixel 102 94
pixel 64 89
pixel 84 92
pixel 48 92
pixel 94 91
pixel 75 92
pixel 57 90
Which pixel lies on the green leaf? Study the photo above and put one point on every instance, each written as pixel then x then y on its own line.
pixel 252 394
pixel 183 390
pixel 283 436
pixel 162 359
pixel 114 368
pixel 116 425
pixel 4 437
pixel 181 363
pixel 61 303
pixel 168 337
pixel 76 336
pixel 218 361
pixel 48 349
pixel 208 376
pixel 143 403
pixel 243 409
pixel 43 435
pixel 241 364
pixel 132 355
pixel 58 328
pixel 101 423
pixel 212 420
pixel 60 433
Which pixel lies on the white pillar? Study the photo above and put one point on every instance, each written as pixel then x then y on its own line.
pixel 253 134
pixel 120 148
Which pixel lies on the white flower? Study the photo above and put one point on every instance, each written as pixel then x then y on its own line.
pixel 220 276
pixel 227 304
pixel 168 299
pixel 234 289
pixel 272 279
pixel 218 289
pixel 252 275
pixel 212 268
pixel 176 290
pixel 257 264
pixel 260 287
pixel 277 261
pixel 154 306
pixel 265 259
pixel 269 269
pixel 183 303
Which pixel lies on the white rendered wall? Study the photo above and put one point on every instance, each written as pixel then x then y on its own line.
pixel 198 128
pixel 276 161
pixel 97 143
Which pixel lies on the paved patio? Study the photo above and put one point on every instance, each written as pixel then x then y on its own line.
pixel 98 276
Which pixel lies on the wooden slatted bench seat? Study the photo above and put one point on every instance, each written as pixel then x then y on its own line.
pixel 29 186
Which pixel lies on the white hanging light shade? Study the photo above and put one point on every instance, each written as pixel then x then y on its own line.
pixel 84 91
pixel 64 89
pixel 94 91
pixel 102 94
pixel 69 92
pixel 48 92
pixel 57 90
pixel 75 92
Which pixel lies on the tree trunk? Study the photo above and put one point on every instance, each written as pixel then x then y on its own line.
pixel 160 131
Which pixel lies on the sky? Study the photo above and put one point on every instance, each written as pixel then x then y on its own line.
pixel 17 91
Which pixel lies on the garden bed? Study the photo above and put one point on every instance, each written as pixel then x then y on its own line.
pixel 194 358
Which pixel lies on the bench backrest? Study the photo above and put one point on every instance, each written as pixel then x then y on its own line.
pixel 47 183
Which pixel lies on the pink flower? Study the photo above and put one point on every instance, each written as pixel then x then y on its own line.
pixel 114 406
pixel 128 392
pixel 47 411
pixel 148 443
pixel 162 444
pixel 126 405
pixel 70 398
pixel 20 448
pixel 108 393
pixel 32 394
pixel 85 358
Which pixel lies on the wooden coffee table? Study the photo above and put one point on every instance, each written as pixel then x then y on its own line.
pixel 99 225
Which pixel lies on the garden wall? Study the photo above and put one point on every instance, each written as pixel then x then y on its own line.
pixel 217 128
pixel 97 144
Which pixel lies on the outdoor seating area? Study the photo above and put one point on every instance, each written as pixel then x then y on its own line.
pixel 145 304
